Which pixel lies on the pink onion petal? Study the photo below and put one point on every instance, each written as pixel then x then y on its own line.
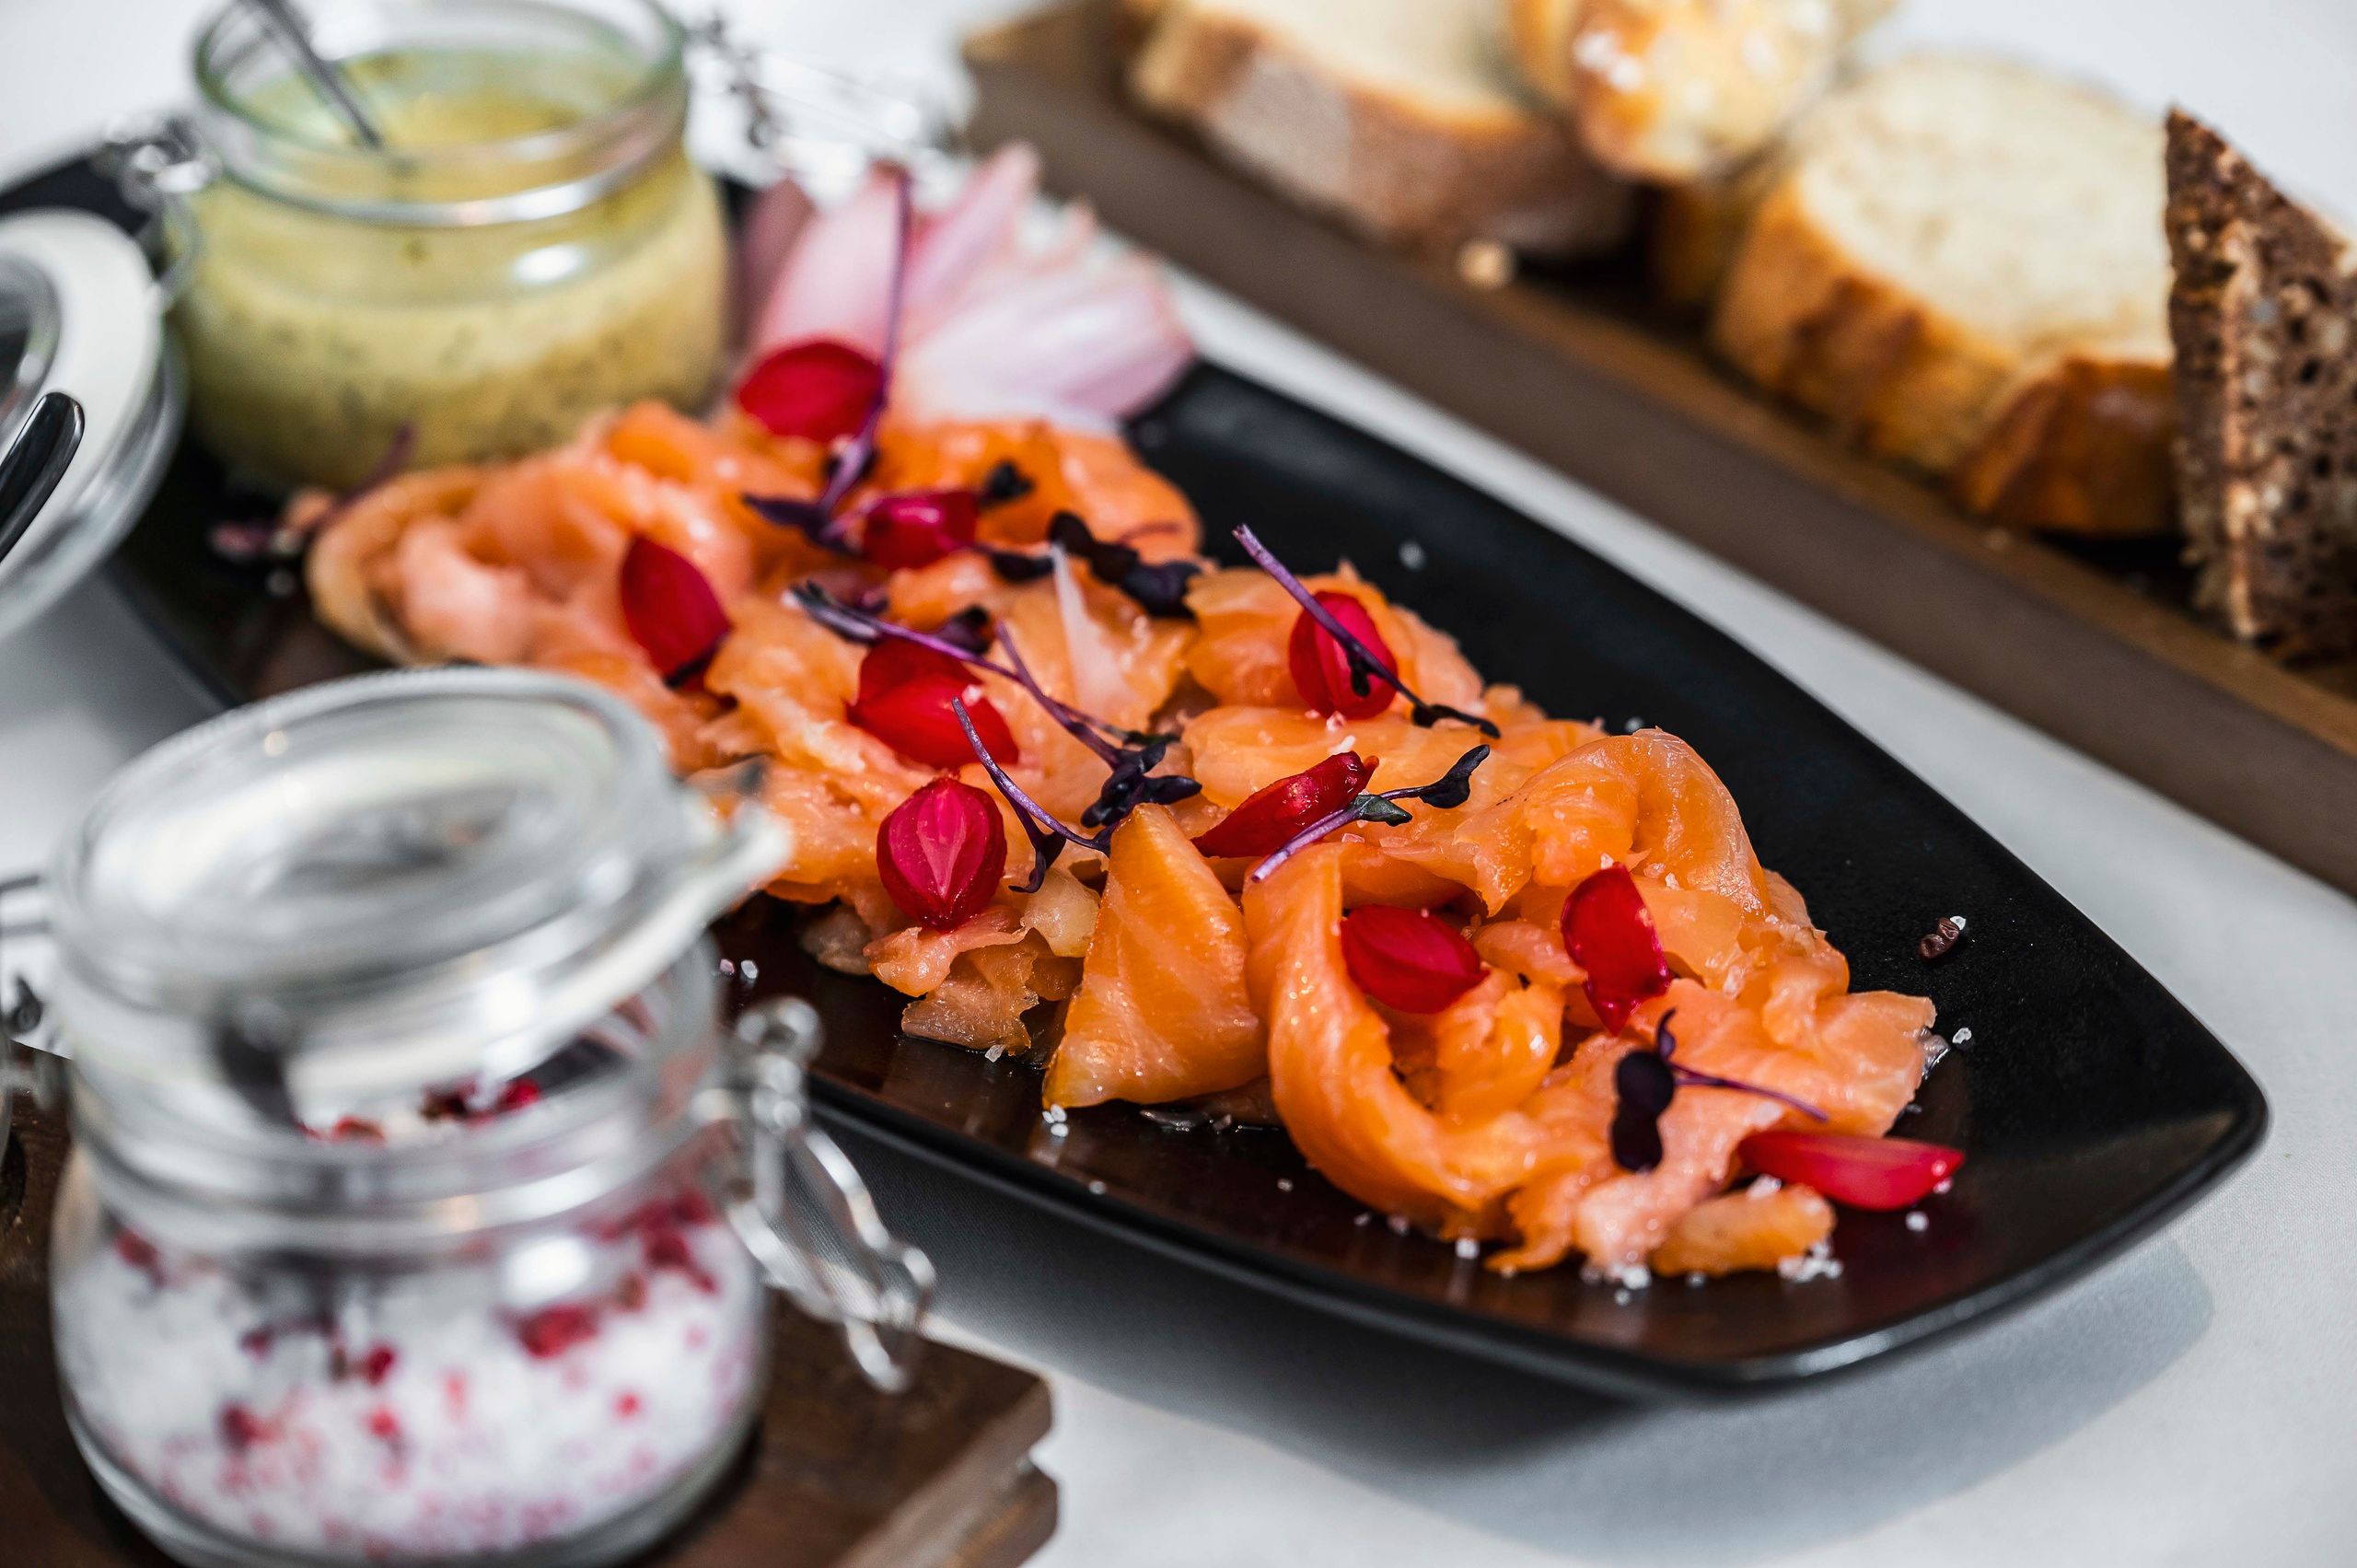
pixel 836 282
pixel 1103 342
pixel 980 224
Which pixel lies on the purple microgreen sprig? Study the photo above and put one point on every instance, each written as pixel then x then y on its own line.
pixel 1644 1084
pixel 1450 790
pixel 1363 662
pixel 1159 588
pixel 1130 756
pixel 1048 835
pixel 820 520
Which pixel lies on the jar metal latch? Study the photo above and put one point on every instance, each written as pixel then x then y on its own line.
pixel 802 1210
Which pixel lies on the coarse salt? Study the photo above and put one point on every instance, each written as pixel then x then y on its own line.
pixel 233 1396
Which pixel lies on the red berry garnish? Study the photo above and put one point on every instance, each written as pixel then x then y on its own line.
pixel 919 527
pixel 1609 935
pixel 140 1253
pixel 670 608
pixel 818 389
pixel 1322 665
pixel 915 719
pixel 894 661
pixel 669 1249
pixel 515 1096
pixel 942 853
pixel 377 1364
pixel 1409 960
pixel 552 1330
pixel 1858 1172
pixel 1273 814
pixel 240 1428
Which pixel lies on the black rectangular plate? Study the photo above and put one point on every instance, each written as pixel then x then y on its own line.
pixel 2092 1105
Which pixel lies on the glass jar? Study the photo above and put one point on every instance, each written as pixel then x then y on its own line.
pixel 421 1209
pixel 532 244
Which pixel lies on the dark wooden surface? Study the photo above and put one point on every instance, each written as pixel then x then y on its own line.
pixel 2091 644
pixel 837 1477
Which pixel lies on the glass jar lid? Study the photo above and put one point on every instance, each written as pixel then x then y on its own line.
pixel 492 110
pixel 387 884
pixel 80 313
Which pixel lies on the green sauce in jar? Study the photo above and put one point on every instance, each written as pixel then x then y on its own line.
pixel 530 246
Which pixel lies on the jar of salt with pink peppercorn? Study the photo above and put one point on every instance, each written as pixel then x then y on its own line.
pixel 421 1210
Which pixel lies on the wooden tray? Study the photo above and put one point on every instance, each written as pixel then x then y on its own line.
pixel 2093 645
pixel 838 1476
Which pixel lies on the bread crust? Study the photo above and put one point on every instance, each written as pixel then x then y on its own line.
pixel 1893 375
pixel 2074 441
pixel 1416 175
pixel 2081 445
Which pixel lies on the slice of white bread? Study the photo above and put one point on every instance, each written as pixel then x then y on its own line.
pixel 1679 90
pixel 1960 262
pixel 1395 116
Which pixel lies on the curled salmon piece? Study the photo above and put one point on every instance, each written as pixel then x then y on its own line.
pixel 1757 1228
pixel 1860 1063
pixel 1331 1068
pixel 1162 1013
pixel 915 959
pixel 984 1002
pixel 1246 618
pixel 1485 1053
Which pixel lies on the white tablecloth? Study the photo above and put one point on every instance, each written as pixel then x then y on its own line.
pixel 2194 1403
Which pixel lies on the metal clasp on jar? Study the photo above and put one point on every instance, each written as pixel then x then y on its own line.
pixel 158 165
pixel 802 1210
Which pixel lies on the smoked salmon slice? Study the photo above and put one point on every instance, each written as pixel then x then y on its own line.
pixel 1162 1013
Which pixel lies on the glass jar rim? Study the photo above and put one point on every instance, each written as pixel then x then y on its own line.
pixel 522 178
pixel 207 1176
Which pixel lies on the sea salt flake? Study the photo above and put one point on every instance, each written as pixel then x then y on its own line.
pixel 1411 556
pixel 1096 1189
pixel 1816 1263
pixel 1468 1248
pixel 1285 1183
pixel 1918 1221
pixel 1961 1036
pixel 1399 1223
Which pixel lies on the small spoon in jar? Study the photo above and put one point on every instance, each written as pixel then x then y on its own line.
pixel 279 17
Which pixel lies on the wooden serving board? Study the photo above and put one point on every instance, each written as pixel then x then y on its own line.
pixel 2092 644
pixel 837 1476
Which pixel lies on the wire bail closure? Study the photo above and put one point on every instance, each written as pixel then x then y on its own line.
pixel 803 1211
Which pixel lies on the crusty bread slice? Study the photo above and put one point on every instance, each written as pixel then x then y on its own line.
pixel 1679 90
pixel 1959 263
pixel 2264 312
pixel 1396 116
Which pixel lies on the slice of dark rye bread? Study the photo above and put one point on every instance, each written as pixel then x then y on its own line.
pixel 2264 315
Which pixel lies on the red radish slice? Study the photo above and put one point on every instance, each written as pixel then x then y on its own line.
pixel 1321 668
pixel 942 853
pixel 914 718
pixel 920 527
pixel 1409 960
pixel 818 389
pixel 1272 814
pixel 1609 935
pixel 670 608
pixel 1860 1173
